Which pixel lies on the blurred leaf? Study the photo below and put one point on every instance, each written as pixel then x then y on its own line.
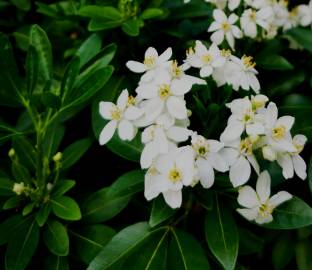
pixel 66 208
pixel 9 226
pixel 22 4
pixel 62 186
pixel 32 63
pixel 302 36
pixel 56 238
pixel 249 243
pixel 151 13
pixel 222 235
pixel 292 214
pixel 122 245
pixel 6 186
pixel 273 62
pixel 132 27
pixel 25 151
pixel 185 252
pixel 310 174
pixel 43 214
pixel 98 25
pixel 13 202
pixel 282 252
pixel 108 202
pixel 74 152
pixel 303 255
pixel 100 12
pixel 160 212
pixel 28 208
pixel 51 100
pixel 90 240
pixel 22 246
pixel 191 11
pixel 56 263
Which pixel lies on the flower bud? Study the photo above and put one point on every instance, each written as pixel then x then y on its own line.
pixel 11 153
pixel 268 153
pixel 19 188
pixel 49 186
pixel 57 157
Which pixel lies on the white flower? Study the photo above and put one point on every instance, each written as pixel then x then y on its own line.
pixel 19 188
pixel 219 73
pixel 292 20
pixel 233 4
pixel 280 11
pixel 120 116
pixel 258 204
pixel 278 130
pixel 305 14
pixel 170 173
pixel 208 158
pixel 293 162
pixel 251 18
pixel 221 4
pixel 242 73
pixel 224 27
pixel 239 155
pixel 258 4
pixel 206 59
pixel 152 62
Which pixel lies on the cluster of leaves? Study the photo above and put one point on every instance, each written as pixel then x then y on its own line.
pixel 45 99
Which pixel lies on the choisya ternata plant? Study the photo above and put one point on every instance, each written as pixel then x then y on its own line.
pixel 33 193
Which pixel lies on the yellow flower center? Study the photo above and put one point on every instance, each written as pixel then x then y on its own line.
pixel 225 53
pixel 245 146
pixel 225 26
pixel 206 58
pixel 116 114
pixel 131 101
pixel 176 71
pixel 152 171
pixel 247 116
pixel 164 91
pixel 278 133
pixel 190 51
pixel 299 148
pixel 293 13
pixel 253 15
pixel 248 61
pixel 149 62
pixel 265 210
pixel 284 2
pixel 175 175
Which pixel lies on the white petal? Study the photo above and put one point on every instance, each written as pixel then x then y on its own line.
pixel 237 33
pixel 230 39
pixel 136 66
pixel 249 214
pixel 173 198
pixel 176 107
pixel 255 129
pixel 153 185
pixel 205 71
pixel 271 115
pixel 178 134
pixel 300 166
pixel 151 52
pixel 247 197
pixel 263 186
pixel 217 37
pixel 232 18
pixel 185 162
pixel 150 151
pixel 108 132
pixel 284 160
pixel 230 155
pixel 286 121
pixel 206 173
pixel 240 172
pixel 181 86
pixel 123 99
pixel 214 26
pixel 153 108
pixel 233 131
pixel 219 15
pixel 264 219
pixel 133 113
pixel 215 146
pixel 165 56
pixel 126 130
pixel 217 162
pixel 106 108
pixel 279 198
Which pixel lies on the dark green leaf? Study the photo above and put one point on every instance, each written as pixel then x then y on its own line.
pixel 32 63
pixel 89 49
pixel 160 212
pixel 20 172
pixel 151 13
pixel 51 100
pixel 6 186
pixel 56 238
pixel 100 12
pixel 56 263
pixel 43 214
pixel 132 27
pixel 273 62
pixel 22 246
pixel 13 202
pixel 98 25
pixel 25 151
pixel 8 227
pixel 62 186
pixel 186 253
pixel 191 11
pixel 66 208
pixel 74 152
pixel 121 246
pixel 310 174
pixel 52 139
pixel 302 36
pixel 303 255
pixel 90 240
pixel 28 208
pixel 249 243
pixel 222 235
pixel 282 252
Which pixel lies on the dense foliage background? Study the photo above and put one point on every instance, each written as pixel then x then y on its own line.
pixel 58 59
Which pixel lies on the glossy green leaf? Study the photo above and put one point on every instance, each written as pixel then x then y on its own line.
pixel 108 202
pixel 222 235
pixel 22 246
pixel 249 242
pixel 292 214
pixel 28 208
pixel 56 238
pixel 303 251
pixel 43 214
pixel 98 25
pixel 74 152
pixel 273 62
pixel 151 13
pixel 32 63
pixel 160 212
pixel 90 240
pixel 186 253
pixel 132 27
pixel 39 40
pixel 70 75
pixel 66 208
pixel 282 252
pixel 9 226
pixel 53 262
pixel 302 36
pixel 52 139
pixel 100 12
pixel 121 246
pixel 20 172
pixel 62 186
pixel 89 48
pixel 51 100
pixel 25 151
pixel 6 186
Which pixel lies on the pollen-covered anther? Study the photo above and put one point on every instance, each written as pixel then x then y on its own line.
pixel 278 133
pixel 164 91
pixel 149 62
pixel 175 175
pixel 248 61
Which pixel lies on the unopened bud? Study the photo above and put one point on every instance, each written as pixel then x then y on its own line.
pixel 57 157
pixel 49 186
pixel 19 188
pixel 268 153
pixel 11 153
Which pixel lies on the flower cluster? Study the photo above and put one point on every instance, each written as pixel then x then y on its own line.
pixel 159 108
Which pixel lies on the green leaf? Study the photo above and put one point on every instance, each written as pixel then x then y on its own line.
pixel 303 254
pixel 249 243
pixel 186 253
pixel 302 36
pixel 62 186
pixel 52 139
pixel 22 4
pixel 132 27
pixel 6 186
pixel 28 208
pixel 39 40
pixel 151 13
pixel 100 12
pixel 32 63
pixel 20 172
pixel 89 48
pixel 121 246
pixel 282 252
pixel 273 62
pixel 8 227
pixel 108 202
pixel 43 214
pixel 74 152
pixel 98 25
pixel 22 246
pixel 56 238
pixel 191 11
pixel 160 212
pixel 13 202
pixel 292 214
pixel 310 174
pixel 51 100
pixel 25 151
pixel 70 75
pixel 222 235
pixel 90 240
pixel 66 208
pixel 56 263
